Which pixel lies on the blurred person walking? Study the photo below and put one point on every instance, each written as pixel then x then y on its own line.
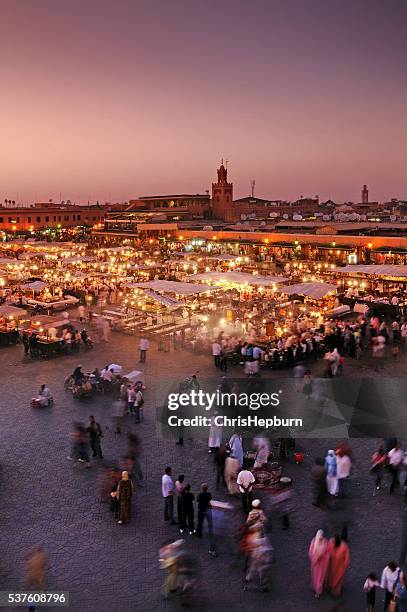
pixel 318 483
pixel 338 564
pixel 179 489
pixel 119 406
pixel 379 461
pixel 187 510
pixel 95 434
pixel 167 490
pixel 143 346
pixel 331 475
pixel 319 558
pixel 220 457
pixel 205 512
pixel 37 566
pixel 395 457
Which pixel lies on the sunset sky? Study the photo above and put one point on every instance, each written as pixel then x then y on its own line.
pixel 113 99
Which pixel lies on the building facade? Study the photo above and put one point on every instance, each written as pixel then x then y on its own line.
pixel 195 206
pixel 17 219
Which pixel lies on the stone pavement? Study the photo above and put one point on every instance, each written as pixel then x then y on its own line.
pixel 109 568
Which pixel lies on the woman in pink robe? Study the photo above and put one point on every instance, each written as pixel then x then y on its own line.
pixel 339 563
pixel 319 557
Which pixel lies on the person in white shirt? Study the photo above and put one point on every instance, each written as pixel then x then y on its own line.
pixel 167 490
pixel 395 456
pixel 106 377
pixel 143 349
pixel 245 480
pixel 343 467
pixel 216 351
pixel 131 398
pixel 390 575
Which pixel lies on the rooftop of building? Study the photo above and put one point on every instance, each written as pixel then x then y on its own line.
pixel 172 197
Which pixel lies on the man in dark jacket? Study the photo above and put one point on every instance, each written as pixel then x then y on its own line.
pixel 205 512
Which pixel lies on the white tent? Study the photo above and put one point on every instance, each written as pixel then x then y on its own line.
pixel 164 286
pixel 165 300
pixel 376 270
pixel 226 257
pixel 11 311
pixel 239 278
pixel 313 290
pixel 35 286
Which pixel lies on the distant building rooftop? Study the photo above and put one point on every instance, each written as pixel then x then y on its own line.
pixel 174 197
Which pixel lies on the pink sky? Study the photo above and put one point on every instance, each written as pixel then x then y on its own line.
pixel 110 100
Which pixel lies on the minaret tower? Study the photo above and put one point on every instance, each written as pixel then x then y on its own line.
pixel 222 196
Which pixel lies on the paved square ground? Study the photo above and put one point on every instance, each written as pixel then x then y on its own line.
pixel 109 568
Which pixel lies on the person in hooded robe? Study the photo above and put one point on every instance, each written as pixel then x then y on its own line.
pixel 339 563
pixel 124 494
pixel 319 559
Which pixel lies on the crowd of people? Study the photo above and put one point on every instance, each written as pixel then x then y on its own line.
pixel 332 339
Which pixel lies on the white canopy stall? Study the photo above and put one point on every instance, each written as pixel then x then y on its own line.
pixel 312 290
pixel 164 286
pixel 238 278
pixel 375 270
pixel 9 311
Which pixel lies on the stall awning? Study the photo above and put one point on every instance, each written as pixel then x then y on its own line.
pixel 35 286
pixel 12 311
pixel 313 290
pixel 337 247
pixel 164 286
pixel 162 299
pixel 375 270
pixel 239 278
pixel 386 250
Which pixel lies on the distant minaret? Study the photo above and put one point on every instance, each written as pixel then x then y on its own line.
pixel 365 195
pixel 222 196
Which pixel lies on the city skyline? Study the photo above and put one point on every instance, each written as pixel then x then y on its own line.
pixel 101 104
